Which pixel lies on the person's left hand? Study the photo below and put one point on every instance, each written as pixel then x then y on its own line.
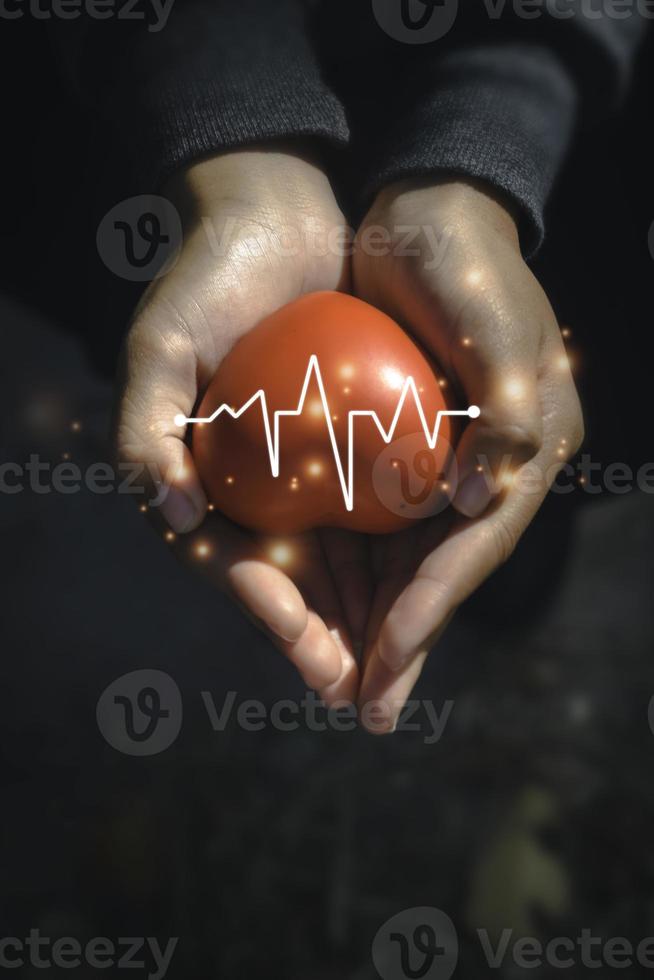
pixel 467 295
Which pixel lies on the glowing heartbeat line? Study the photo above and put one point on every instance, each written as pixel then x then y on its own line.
pixel 313 367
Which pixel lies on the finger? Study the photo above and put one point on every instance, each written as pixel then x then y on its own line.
pixel 403 554
pixel 344 689
pixel 349 562
pixel 474 549
pixel 235 562
pixel 157 384
pixel 302 559
pixel 312 654
pixel 384 691
pixel 495 359
pixel 395 573
pixel 269 598
pixel 316 656
pixel 313 577
pixel 375 706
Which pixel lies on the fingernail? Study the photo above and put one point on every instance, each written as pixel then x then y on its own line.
pixel 322 665
pixel 473 496
pixel 377 717
pixel 391 658
pixel 178 510
pixel 285 622
pixel 267 594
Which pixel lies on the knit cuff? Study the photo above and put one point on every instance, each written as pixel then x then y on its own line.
pixel 220 76
pixel 502 116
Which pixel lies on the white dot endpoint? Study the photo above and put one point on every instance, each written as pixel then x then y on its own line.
pixel 180 420
pixel 474 411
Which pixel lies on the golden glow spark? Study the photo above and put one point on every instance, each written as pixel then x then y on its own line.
pixel 392 378
pixel 515 388
pixel 281 554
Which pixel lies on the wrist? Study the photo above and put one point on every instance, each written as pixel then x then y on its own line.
pixel 278 181
pixel 460 204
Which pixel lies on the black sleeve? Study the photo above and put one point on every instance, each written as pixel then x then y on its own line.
pixel 214 75
pixel 496 98
pixel 499 99
pixel 503 114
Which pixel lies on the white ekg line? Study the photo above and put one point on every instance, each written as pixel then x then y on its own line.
pixel 313 366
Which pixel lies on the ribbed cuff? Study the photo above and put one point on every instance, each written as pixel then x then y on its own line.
pixel 220 76
pixel 502 115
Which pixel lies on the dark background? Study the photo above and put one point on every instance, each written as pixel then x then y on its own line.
pixel 285 853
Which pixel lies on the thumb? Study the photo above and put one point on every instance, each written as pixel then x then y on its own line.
pixel 157 384
pixel 498 373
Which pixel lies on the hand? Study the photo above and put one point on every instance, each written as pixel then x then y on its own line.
pixel 469 298
pixel 256 224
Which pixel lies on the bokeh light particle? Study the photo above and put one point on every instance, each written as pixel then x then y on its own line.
pixel 281 553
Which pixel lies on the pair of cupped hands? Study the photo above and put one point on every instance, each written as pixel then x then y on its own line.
pixel 357 615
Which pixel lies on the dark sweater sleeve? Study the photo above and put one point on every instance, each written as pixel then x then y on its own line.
pixel 498 99
pixel 500 103
pixel 219 74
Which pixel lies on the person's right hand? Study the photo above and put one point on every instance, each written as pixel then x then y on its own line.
pixel 260 230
